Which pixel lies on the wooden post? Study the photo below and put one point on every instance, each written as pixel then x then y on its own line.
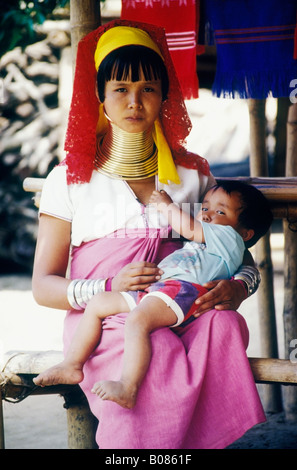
pixel 290 272
pixel 81 423
pixel 267 370
pixel 2 440
pixel 258 153
pixel 280 133
pixel 84 17
pixel 259 167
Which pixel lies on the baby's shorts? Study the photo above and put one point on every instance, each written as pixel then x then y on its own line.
pixel 178 295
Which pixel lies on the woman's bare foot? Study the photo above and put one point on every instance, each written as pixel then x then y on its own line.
pixel 116 391
pixel 59 374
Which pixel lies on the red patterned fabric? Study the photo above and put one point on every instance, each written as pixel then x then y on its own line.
pixel 80 143
pixel 179 19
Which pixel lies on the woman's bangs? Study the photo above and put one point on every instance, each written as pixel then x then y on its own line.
pixel 134 69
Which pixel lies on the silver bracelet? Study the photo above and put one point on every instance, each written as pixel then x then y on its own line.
pixel 80 291
pixel 70 295
pixel 77 294
pixel 250 276
pixel 99 285
pixel 84 291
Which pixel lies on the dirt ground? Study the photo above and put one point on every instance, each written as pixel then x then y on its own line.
pixel 40 422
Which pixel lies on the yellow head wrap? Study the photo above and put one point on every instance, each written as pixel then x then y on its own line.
pixel 123 36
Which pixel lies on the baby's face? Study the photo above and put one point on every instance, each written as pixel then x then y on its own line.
pixel 218 207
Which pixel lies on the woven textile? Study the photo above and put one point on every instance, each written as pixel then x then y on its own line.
pixel 179 19
pixel 255 47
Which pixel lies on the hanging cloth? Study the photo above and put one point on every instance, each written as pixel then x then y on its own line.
pixel 179 19
pixel 255 47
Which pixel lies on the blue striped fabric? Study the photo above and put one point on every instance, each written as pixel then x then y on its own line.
pixel 255 47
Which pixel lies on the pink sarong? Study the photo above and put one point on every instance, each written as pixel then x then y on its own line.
pixel 199 392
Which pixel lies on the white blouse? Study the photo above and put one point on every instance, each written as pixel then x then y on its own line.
pixel 98 208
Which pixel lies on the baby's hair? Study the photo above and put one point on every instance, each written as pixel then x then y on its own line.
pixel 127 62
pixel 256 212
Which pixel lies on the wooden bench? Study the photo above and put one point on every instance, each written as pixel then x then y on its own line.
pixel 22 366
pixel 16 383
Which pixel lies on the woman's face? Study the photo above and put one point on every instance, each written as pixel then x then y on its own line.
pixel 133 106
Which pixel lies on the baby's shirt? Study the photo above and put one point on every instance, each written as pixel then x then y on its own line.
pixel 218 258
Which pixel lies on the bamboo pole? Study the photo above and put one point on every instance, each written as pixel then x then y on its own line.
pixel 267 370
pixel 85 16
pixel 81 423
pixel 280 189
pixel 266 306
pixel 281 192
pixel 2 440
pixel 290 272
pixel 22 367
pixel 280 136
pixel 258 153
pixel 285 211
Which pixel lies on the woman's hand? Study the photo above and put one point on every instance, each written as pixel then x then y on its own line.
pixel 136 276
pixel 223 295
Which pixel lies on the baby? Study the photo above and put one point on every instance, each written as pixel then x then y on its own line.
pixel 233 217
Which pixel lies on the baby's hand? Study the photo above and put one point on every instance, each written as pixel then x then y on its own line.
pixel 160 198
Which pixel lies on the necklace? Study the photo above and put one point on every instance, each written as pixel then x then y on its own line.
pixel 125 155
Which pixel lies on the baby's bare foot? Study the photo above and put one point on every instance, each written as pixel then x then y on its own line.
pixel 116 391
pixel 59 374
